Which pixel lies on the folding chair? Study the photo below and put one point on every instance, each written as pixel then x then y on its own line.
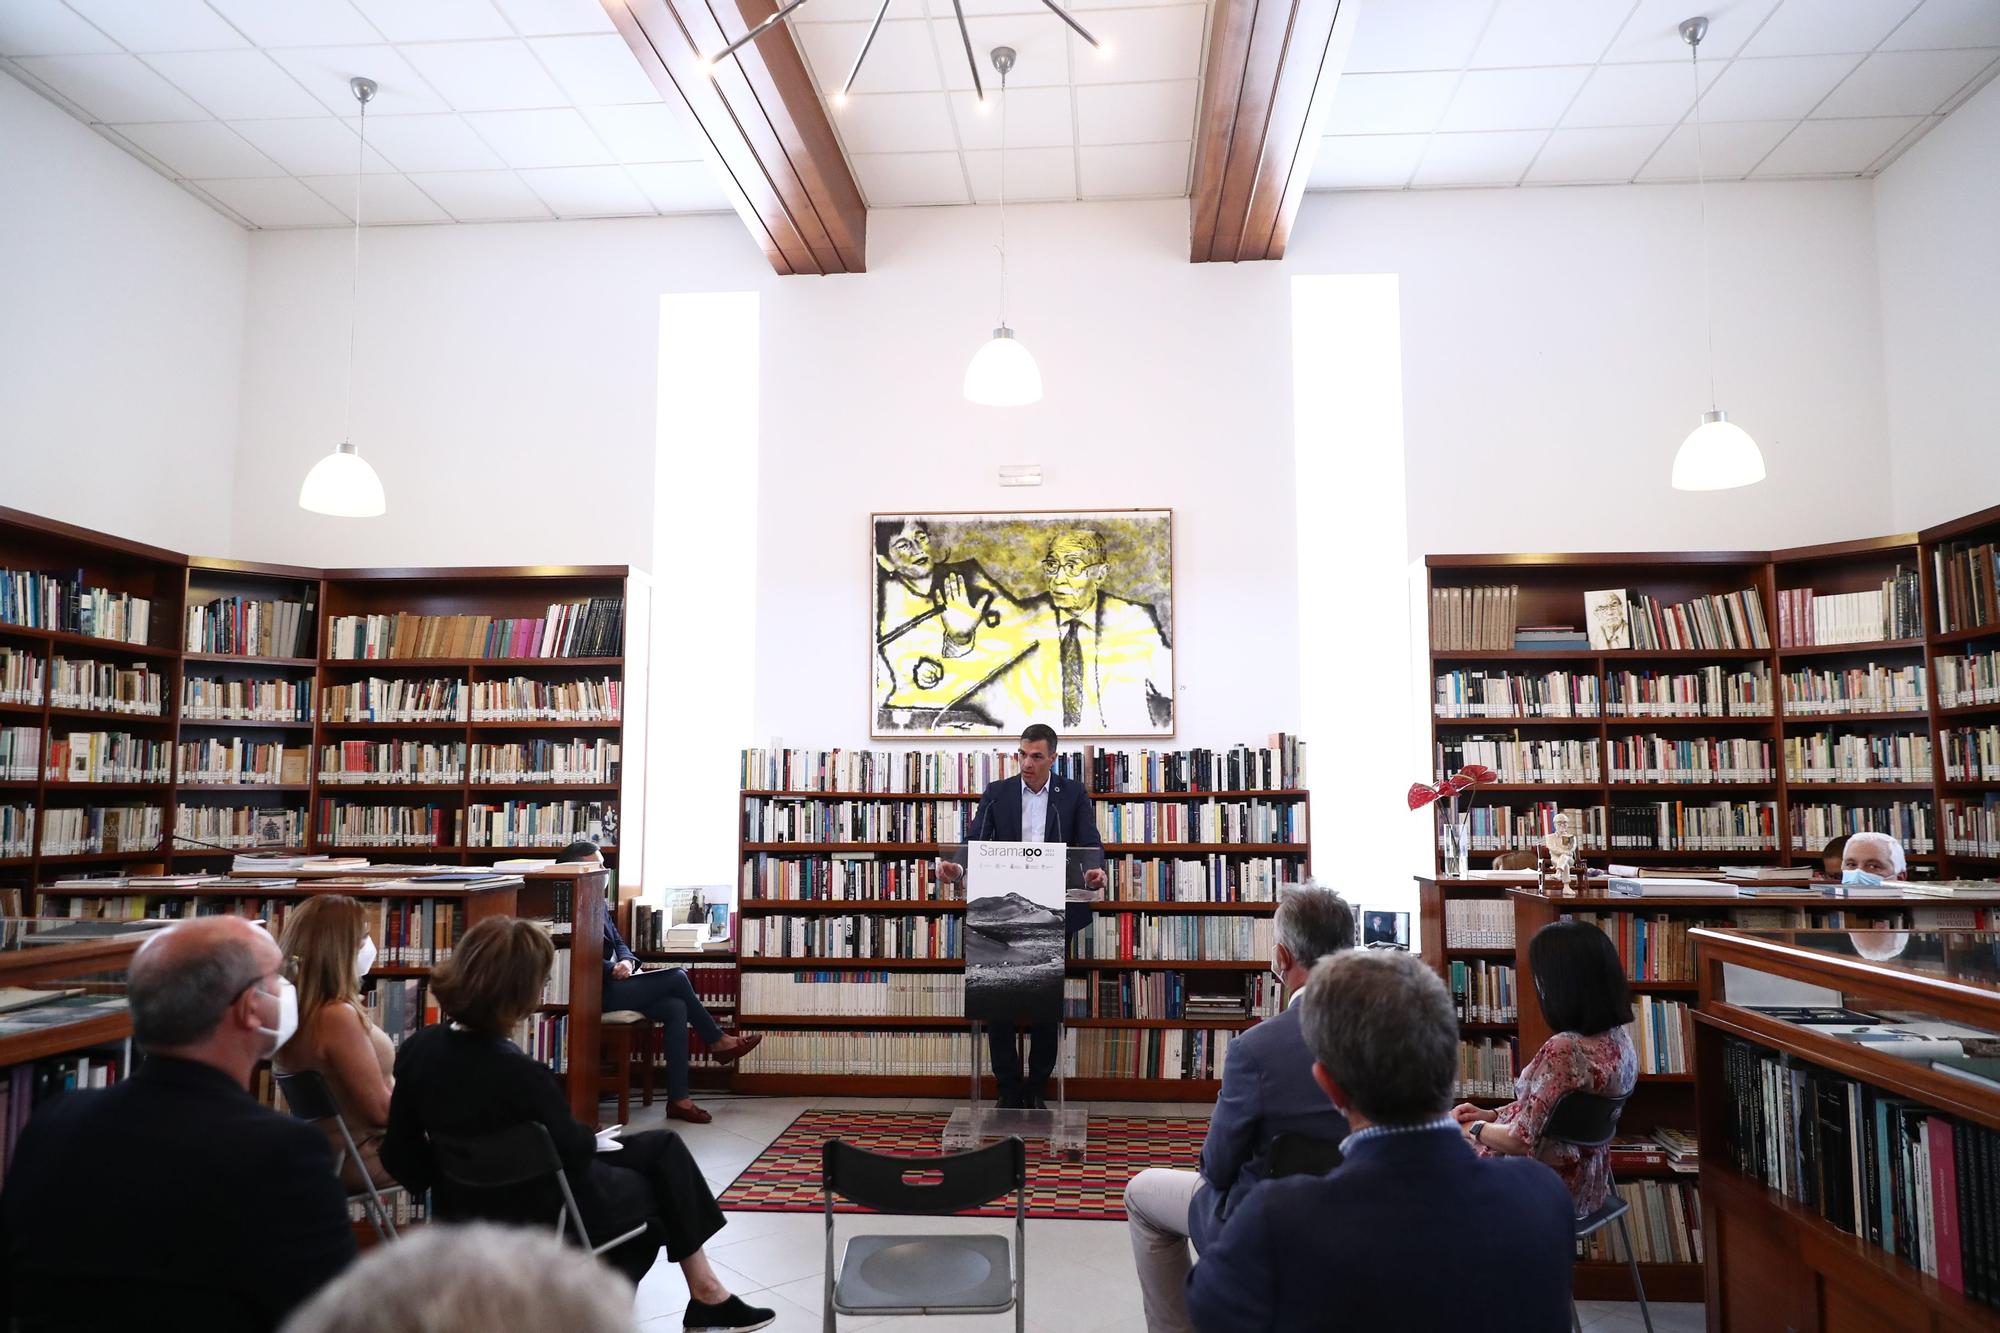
pixel 517 1156
pixel 308 1098
pixel 927 1275
pixel 1586 1120
pixel 1300 1155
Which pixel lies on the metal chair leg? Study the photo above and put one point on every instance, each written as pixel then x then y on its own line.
pixel 1575 1320
pixel 1638 1285
pixel 827 1324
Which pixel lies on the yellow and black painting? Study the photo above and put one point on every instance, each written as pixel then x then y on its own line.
pixel 985 623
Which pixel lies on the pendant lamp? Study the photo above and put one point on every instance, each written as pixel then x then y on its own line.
pixel 343 484
pixel 1718 455
pixel 1003 372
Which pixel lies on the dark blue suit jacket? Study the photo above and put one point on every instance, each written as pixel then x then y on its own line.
pixel 1072 819
pixel 1267 1090
pixel 1413 1232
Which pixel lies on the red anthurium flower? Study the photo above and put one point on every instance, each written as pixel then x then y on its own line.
pixel 1421 796
pixel 1478 775
pixel 1454 784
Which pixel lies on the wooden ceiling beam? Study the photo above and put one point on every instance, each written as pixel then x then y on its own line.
pixel 760 113
pixel 1272 66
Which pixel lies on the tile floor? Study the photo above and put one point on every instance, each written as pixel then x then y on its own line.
pixel 1080 1277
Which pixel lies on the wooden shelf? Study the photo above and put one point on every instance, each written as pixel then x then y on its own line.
pixel 517 788
pixel 1121 848
pixel 79 858
pixel 1537 721
pixel 1594 1281
pixel 1966 710
pixel 1496 951
pixel 1516 655
pixel 1843 649
pixel 60 639
pixel 159 786
pixel 365 788
pixel 238 659
pixel 811 963
pixel 1709 785
pixel 397 726
pixel 1280 794
pixel 784 905
pixel 1796 785
pixel 1627 723
pixel 951 1023
pixel 1916 716
pixel 232 788
pixel 254 723
pixel 540 726
pixel 1686 655
pixel 1667 1078
pixel 400 663
pixel 1986 631
pixel 106 715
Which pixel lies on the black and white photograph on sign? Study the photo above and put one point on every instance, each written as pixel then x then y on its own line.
pixel 1014 940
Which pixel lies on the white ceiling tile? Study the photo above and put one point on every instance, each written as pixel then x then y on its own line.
pixel 652 132
pixel 481 196
pixel 115 89
pixel 385 200
pixel 682 187
pixel 1574 157
pixel 1135 112
pixel 1416 34
pixel 486 76
pixel 1904 83
pixel 1492 158
pixel 1778 89
pixel 430 143
pixel 1655 94
pixel 1366 161
pixel 596 71
pixel 1836 147
pixel 278 202
pixel 325 70
pixel 1728 150
pixel 435 20
pixel 47 28
pixel 1942 23
pixel 1822 27
pixel 1549 32
pixel 588 192
pixel 320 147
pixel 237 85
pixel 160 25
pixel 1512 99
pixel 900 61
pixel 833 11
pixel 895 123
pixel 1133 170
pixel 555 138
pixel 1084 5
pixel 1041 58
pixel 1036 118
pixel 298 22
pixel 201 148
pixel 1140 45
pixel 1033 174
pixel 1390 103
pixel 1653 31
pixel 551 18
pixel 978 8
pixel 893 180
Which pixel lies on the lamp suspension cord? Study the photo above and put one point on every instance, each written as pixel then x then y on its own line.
pixel 354 275
pixel 1003 198
pixel 1701 193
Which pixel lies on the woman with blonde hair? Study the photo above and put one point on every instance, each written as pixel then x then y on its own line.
pixel 327 945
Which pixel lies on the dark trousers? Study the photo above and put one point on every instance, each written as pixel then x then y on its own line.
pixel 1007 1059
pixel 654 1178
pixel 668 999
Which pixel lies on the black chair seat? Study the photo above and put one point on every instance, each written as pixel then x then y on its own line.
pixel 1613 1209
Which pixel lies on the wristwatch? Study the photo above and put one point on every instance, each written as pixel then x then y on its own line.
pixel 1477 1125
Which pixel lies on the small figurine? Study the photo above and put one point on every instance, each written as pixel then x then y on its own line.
pixel 1561 843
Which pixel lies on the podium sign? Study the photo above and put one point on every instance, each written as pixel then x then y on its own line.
pixel 1014 937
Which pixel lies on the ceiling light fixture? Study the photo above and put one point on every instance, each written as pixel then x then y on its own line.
pixel 1003 373
pixel 343 484
pixel 1718 455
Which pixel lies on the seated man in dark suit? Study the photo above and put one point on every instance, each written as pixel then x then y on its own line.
pixel 172 1200
pixel 1375 1243
pixel 1267 1090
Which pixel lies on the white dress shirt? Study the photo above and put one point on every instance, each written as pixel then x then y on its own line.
pixel 1034 810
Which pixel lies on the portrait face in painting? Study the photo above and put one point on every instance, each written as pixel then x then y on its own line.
pixel 909 555
pixel 1075 570
pixel 1610 616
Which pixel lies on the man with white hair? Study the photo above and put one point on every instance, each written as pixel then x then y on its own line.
pixel 1872 858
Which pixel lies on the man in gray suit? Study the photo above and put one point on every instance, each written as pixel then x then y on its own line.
pixel 1267 1090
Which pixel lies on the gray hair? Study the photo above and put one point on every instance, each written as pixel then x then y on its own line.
pixel 1313 922
pixel 1381 1024
pixel 178 995
pixel 1890 847
pixel 469 1279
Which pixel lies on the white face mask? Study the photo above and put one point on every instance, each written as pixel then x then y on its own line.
pixel 364 960
pixel 288 1015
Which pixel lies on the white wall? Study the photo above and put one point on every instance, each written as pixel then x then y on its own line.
pixel 121 336
pixel 1937 213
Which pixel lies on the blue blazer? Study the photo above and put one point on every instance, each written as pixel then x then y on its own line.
pixel 1267 1090
pixel 1072 820
pixel 1413 1232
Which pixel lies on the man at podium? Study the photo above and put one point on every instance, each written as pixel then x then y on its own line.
pixel 1034 807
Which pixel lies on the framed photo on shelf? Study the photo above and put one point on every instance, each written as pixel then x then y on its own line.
pixel 985 623
pixel 1608 618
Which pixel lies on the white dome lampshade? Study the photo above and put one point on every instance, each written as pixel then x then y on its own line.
pixel 343 485
pixel 1003 373
pixel 1718 455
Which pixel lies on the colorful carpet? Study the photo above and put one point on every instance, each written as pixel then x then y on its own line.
pixel 785 1177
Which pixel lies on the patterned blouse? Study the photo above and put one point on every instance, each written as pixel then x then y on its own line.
pixel 1604 1064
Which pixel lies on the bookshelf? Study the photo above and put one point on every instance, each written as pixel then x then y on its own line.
pixel 820 873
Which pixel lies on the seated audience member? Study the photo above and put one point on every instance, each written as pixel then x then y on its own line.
pixel 666 997
pixel 1586 999
pixel 1267 1090
pixel 172 1200
pixel 1831 857
pixel 471 1279
pixel 1872 858
pixel 1413 1231
pixel 327 945
pixel 466 1078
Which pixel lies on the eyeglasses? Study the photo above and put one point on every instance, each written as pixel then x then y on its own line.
pixel 1071 567
pixel 286 971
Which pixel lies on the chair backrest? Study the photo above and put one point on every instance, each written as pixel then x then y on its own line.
pixel 1514 861
pixel 512 1156
pixel 1584 1119
pixel 924 1185
pixel 1300 1155
pixel 308 1096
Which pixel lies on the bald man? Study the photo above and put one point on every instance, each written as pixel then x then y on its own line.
pixel 173 1199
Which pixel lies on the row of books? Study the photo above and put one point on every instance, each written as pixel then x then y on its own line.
pixel 1520 760
pixel 20 754
pixel 1662 1034
pixel 1131 936
pixel 1486 1067
pixel 593 628
pixel 236 760
pixel 1963 578
pixel 345 824
pixel 1478 923
pixel 1972 829
pixel 1693 826
pixel 885 772
pixel 24 1087
pixel 1202 821
pixel 540 823
pixel 1501 828
pixel 522 699
pixel 1734 692
pixel 1665 1148
pixel 874 935
pixel 38 600
pixel 1182 996
pixel 1814 824
pixel 447 699
pixel 1714 691
pixel 1483 992
pixel 1971 754
pixel 717 985
pixel 1971 677
pixel 1472 692
pixel 1871 688
pixel 1188 1054
pixel 1719 620
pixel 845 876
pixel 1664 1225
pixel 1474 619
pixel 555 989
pixel 21 675
pixel 243 826
pixel 1652 948
pixel 1676 758
pixel 544 1038
pixel 1219 877
pixel 399 1006
pixel 17 830
pixel 784 819
pixel 250 627
pixel 361 762
pixel 1277 765
pixel 1890 756
pixel 108 756
pixel 839 876
pixel 860 993
pixel 1895 610
pixel 213 699
pixel 1149 1053
pixel 394 699
pixel 81 830
pixel 106 687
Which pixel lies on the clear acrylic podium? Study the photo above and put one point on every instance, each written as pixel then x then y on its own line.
pixel 1016 949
